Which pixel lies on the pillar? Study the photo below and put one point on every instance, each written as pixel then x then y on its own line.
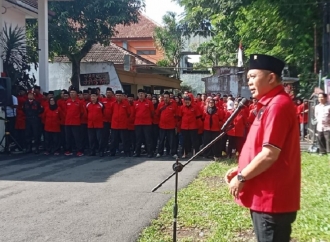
pixel 43 44
pixel 1 29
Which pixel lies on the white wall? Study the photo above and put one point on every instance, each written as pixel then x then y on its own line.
pixel 195 81
pixel 14 17
pixel 60 74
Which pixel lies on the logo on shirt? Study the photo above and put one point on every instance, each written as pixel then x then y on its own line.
pixel 260 113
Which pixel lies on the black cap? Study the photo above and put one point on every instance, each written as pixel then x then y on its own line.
pixel 65 92
pixel 51 92
pixel 187 98
pixel 130 95
pixel 166 93
pixel 36 87
pixel 119 92
pixel 141 90
pixel 109 89
pixel 85 91
pixel 45 93
pixel 94 91
pixel 80 92
pixel 74 89
pixel 266 62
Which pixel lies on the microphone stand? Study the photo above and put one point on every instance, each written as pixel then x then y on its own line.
pixel 178 167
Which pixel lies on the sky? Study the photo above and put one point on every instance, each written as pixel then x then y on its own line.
pixel 156 9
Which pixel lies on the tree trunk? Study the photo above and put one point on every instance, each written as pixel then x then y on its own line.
pixel 75 78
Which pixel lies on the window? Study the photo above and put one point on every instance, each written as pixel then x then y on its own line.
pixel 146 52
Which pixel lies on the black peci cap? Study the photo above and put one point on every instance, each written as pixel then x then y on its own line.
pixel 94 91
pixel 266 62
pixel 141 90
pixel 130 95
pixel 119 92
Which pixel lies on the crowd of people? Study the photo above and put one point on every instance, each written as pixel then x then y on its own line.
pixel 166 124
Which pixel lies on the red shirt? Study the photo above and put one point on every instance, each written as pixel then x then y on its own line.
pixel 52 120
pixel 74 111
pixel 94 115
pixel 189 116
pixel 167 115
pixel 276 190
pixel 131 118
pixel 303 117
pixel 20 115
pixel 61 103
pixel 240 123
pixel 39 97
pixel 84 116
pixel 143 112
pixel 107 102
pixel 120 115
pixel 217 120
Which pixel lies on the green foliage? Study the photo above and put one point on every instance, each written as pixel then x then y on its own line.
pixel 169 40
pixel 284 28
pixel 164 63
pixel 208 213
pixel 185 87
pixel 17 55
pixel 78 25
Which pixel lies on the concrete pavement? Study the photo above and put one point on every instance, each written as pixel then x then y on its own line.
pixel 77 199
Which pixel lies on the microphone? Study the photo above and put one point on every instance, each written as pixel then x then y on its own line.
pixel 229 121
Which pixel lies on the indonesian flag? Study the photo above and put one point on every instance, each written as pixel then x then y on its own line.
pixel 240 55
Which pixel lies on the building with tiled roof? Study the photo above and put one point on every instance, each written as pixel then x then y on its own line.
pixel 111 53
pixel 139 38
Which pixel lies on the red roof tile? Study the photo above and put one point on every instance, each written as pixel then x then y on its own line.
pixel 111 53
pixel 143 29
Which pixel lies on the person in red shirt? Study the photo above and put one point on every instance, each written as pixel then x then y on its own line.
pixel 37 95
pixel 95 124
pixel 236 134
pixel 189 115
pixel 74 112
pixel 20 117
pixel 144 111
pixel 303 118
pixel 84 129
pixel 120 113
pixel 167 112
pixel 213 121
pixel 155 124
pixel 267 179
pixel 131 126
pixel 107 102
pixel 61 103
pixel 52 116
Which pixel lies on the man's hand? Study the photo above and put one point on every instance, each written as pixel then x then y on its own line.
pixel 235 187
pixel 230 174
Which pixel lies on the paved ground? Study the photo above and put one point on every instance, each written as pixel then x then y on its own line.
pixel 61 199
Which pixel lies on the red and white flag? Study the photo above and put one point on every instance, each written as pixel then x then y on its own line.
pixel 240 55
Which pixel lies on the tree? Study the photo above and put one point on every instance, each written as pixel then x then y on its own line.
pixel 78 25
pixel 17 56
pixel 169 39
pixel 284 28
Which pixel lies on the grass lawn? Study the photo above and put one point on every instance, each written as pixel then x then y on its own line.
pixel 207 212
